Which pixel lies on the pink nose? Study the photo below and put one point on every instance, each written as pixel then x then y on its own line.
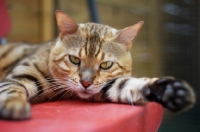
pixel 85 83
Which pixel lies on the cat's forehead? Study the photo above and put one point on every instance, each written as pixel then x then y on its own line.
pixel 96 39
pixel 102 31
pixel 99 37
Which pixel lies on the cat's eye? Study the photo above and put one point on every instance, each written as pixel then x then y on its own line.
pixel 74 60
pixel 106 65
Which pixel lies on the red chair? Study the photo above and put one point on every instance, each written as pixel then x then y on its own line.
pixel 81 116
pixel 5 23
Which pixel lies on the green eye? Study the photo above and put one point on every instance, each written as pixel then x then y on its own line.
pixel 106 65
pixel 74 60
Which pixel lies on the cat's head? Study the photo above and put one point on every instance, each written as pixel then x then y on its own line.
pixel 86 56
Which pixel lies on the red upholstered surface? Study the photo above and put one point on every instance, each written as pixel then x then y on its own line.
pixel 5 24
pixel 81 116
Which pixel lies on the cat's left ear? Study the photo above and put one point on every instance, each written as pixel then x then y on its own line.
pixel 65 24
pixel 127 35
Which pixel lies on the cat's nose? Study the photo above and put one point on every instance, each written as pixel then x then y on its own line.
pixel 85 84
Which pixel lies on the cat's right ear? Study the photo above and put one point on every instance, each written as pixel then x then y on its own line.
pixel 65 24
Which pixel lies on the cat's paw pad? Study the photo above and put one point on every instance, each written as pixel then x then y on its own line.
pixel 175 95
pixel 15 108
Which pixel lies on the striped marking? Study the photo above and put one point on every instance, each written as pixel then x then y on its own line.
pixel 39 70
pixel 11 64
pixel 122 84
pixel 86 43
pixel 7 52
pixel 5 85
pixel 108 85
pixel 12 91
pixel 25 64
pixel 33 79
pixel 95 34
pixel 94 44
pixel 12 82
pixel 123 67
pixel 2 91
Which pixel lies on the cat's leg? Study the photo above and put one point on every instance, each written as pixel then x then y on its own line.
pixel 17 89
pixel 175 95
pixel 13 100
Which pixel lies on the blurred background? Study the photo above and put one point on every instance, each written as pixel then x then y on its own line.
pixel 167 45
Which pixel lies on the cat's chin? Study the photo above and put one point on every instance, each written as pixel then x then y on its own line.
pixel 84 95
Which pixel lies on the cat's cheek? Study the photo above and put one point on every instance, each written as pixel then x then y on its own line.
pixel 103 77
pixel 58 73
pixel 63 66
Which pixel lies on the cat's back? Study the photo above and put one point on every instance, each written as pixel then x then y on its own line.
pixel 12 53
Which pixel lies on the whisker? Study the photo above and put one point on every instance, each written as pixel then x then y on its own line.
pixel 46 81
pixel 50 72
pixel 63 95
pixel 45 92
pixel 56 94
pixel 51 87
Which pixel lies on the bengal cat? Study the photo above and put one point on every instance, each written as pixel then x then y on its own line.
pixel 87 61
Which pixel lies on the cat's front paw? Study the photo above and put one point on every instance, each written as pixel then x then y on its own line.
pixel 175 95
pixel 15 109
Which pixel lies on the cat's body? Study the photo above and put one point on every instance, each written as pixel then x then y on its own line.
pixel 88 61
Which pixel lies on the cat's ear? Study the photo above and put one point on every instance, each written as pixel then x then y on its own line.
pixel 127 35
pixel 65 24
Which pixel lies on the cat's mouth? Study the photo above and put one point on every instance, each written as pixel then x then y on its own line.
pixel 84 94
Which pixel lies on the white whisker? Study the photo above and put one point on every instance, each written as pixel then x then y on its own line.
pixel 63 95
pixel 56 94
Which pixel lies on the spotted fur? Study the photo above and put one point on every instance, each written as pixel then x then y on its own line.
pixel 39 73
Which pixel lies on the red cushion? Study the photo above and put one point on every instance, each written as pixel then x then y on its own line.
pixel 5 24
pixel 73 116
